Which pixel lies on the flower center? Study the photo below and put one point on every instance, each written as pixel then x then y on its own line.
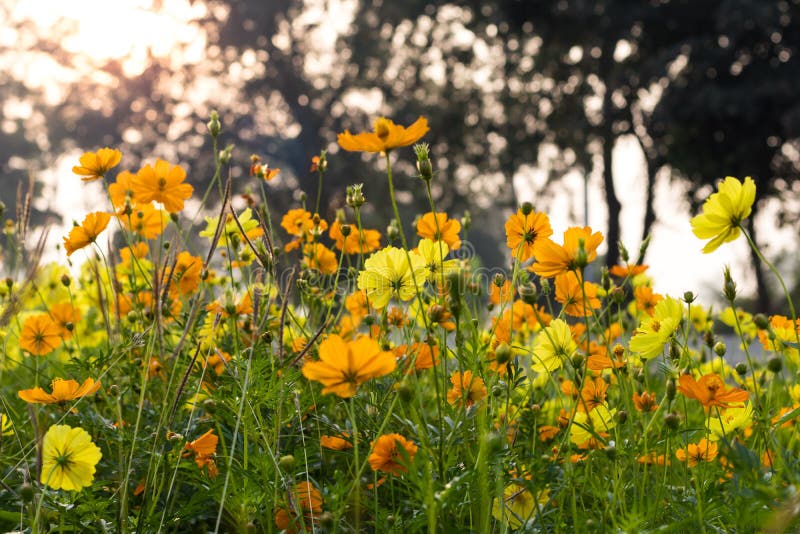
pixel 382 128
pixel 162 184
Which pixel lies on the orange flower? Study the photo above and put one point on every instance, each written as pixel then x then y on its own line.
pixel 627 270
pixel 498 295
pixel 646 300
pixel 710 390
pixel 593 394
pixel 63 391
pixel 386 136
pixel 571 295
pixel 420 354
pixel 218 361
pixel 387 455
pixel 524 233
pixel 138 250
pixel 343 366
pixel 370 239
pixel 336 443
pixel 553 259
pixel 704 451
pixel 187 272
pixel 646 402
pixel 87 232
pixel 447 229
pixel 204 449
pixel 65 316
pixel 162 183
pixel 95 165
pixel 145 220
pixel 40 335
pixel 302 510
pixel 318 256
pixel 466 390
pixel 121 191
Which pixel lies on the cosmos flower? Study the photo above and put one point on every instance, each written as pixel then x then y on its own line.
pixel 553 346
pixel 467 389
pixel 62 391
pixel 86 233
pixel 439 228
pixel 388 273
pixel 385 136
pixel 69 458
pixel 40 335
pixel 553 259
pixel 162 183
pixel 388 454
pixel 95 165
pixel 724 211
pixel 524 234
pixel 694 454
pixel 343 366
pixel 711 390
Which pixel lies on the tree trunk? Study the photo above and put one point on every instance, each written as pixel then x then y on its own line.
pixel 762 297
pixel 614 206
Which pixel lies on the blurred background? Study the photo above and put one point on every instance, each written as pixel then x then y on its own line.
pixel 621 114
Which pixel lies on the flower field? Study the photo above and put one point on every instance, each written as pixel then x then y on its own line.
pixel 264 372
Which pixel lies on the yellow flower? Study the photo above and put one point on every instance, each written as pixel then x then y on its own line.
pixel 724 211
pixel 745 327
pixel 68 458
pixel 6 427
pixel 432 252
pixel 553 346
pixel 145 220
pixel 733 419
pixel 95 165
pixel 231 232
pixel 343 366
pixel 386 136
pixel 655 332
pixel 388 273
pixel 518 505
pixel 584 427
pixel 85 234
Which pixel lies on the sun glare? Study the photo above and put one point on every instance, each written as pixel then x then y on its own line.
pixel 128 31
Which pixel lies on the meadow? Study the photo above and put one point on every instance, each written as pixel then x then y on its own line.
pixel 263 372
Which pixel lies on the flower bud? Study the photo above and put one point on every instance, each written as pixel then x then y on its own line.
pixel 528 293
pixel 741 368
pixel 582 257
pixel 526 208
pixel 345 229
pixel 761 321
pixel 729 287
pixel 65 280
pixel 466 221
pixel 720 349
pixel 286 462
pixel 671 389
pixel 672 421
pixel 775 365
pixel 688 297
pixel 499 279
pixel 502 354
pixel 26 492
pixel 213 125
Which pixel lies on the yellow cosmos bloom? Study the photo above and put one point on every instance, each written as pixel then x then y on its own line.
pixel 733 419
pixel 432 252
pixel 724 211
pixel 68 458
pixel 231 232
pixel 388 273
pixel 386 136
pixel 656 331
pixel 584 427
pixel 95 165
pixel 343 366
pixel 6 427
pixel 553 346
pixel 518 505
pixel 86 234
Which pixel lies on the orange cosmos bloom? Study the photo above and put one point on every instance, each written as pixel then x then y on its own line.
pixel 95 165
pixel 646 300
pixel 627 271
pixel 704 451
pixel 524 233
pixel 137 250
pixel 571 295
pixel 162 183
pixel 386 136
pixel 553 259
pixel 387 456
pixel 204 449
pixel 336 443
pixel 64 315
pixel 187 272
pixel 447 229
pixel 40 335
pixel 63 391
pixel 593 394
pixel 711 390
pixel 421 354
pixel 305 499
pixel 87 232
pixel 646 402
pixel 121 191
pixel 370 239
pixel 145 220
pixel 466 390
pixel 343 366
pixel 498 295
pixel 318 256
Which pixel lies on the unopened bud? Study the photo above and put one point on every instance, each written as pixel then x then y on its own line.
pixel 775 365
pixel 720 349
pixel 688 297
pixel 761 321
pixel 671 389
pixel 672 421
pixel 213 125
pixel 526 208
pixel 502 354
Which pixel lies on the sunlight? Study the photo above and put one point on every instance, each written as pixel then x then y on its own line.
pixel 131 32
